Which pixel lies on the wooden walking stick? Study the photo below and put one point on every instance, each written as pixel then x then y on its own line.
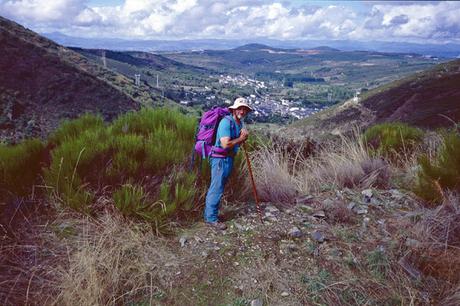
pixel 256 198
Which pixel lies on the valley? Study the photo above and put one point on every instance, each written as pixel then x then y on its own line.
pixel 282 84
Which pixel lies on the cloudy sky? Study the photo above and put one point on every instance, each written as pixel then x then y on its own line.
pixel 412 21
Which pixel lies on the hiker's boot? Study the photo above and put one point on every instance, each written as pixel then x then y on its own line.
pixel 217 225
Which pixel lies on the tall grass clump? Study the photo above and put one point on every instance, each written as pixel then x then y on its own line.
pixel 281 176
pixel 275 176
pixel 20 166
pixel 132 201
pixel 442 173
pixel 344 164
pixel 178 191
pixel 392 139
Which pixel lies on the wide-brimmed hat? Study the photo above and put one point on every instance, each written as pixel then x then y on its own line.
pixel 239 102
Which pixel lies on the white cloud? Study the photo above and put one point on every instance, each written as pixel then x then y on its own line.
pixel 419 21
pixel 241 19
pixel 41 11
pixel 87 17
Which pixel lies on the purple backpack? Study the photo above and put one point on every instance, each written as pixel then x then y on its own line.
pixel 206 133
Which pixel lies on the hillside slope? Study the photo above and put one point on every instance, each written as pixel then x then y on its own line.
pixel 138 58
pixel 428 99
pixel 160 75
pixel 421 99
pixel 42 82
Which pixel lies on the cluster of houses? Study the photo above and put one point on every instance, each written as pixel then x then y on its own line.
pixel 241 80
pixel 264 105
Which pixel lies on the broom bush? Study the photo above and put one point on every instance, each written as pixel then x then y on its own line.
pixel 442 173
pixel 70 129
pixel 138 148
pixel 389 139
pixel 20 166
pixel 75 163
pixel 128 153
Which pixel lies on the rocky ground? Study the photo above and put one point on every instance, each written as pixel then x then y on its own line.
pixel 341 247
pixel 331 249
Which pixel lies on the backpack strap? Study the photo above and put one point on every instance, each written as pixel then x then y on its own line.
pixel 203 153
pixel 220 152
pixel 232 124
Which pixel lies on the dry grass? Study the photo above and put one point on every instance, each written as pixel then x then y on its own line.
pixel 453 298
pixel 24 257
pixel 113 261
pixel 347 164
pixel 280 176
pixel 274 175
pixel 437 255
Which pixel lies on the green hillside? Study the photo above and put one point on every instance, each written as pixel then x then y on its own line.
pixel 357 66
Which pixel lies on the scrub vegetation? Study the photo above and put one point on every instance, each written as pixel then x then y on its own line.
pixel 117 210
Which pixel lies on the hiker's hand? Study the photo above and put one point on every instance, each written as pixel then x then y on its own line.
pixel 244 134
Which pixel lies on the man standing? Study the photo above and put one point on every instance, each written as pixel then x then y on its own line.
pixel 230 134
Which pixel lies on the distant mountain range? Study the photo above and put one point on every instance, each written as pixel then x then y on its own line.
pixel 441 50
pixel 269 63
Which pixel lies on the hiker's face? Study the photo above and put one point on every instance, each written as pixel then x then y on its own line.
pixel 241 112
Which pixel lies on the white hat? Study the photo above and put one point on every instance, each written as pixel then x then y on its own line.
pixel 240 102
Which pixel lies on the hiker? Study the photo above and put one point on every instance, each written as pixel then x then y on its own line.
pixel 230 134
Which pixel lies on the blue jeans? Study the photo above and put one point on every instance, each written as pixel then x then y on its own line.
pixel 221 168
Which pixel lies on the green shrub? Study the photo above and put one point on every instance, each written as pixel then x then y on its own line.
pixel 168 135
pixel 443 173
pixel 148 120
pixel 128 154
pixel 149 143
pixel 75 163
pixel 163 150
pixel 20 166
pixel 71 129
pixel 388 139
